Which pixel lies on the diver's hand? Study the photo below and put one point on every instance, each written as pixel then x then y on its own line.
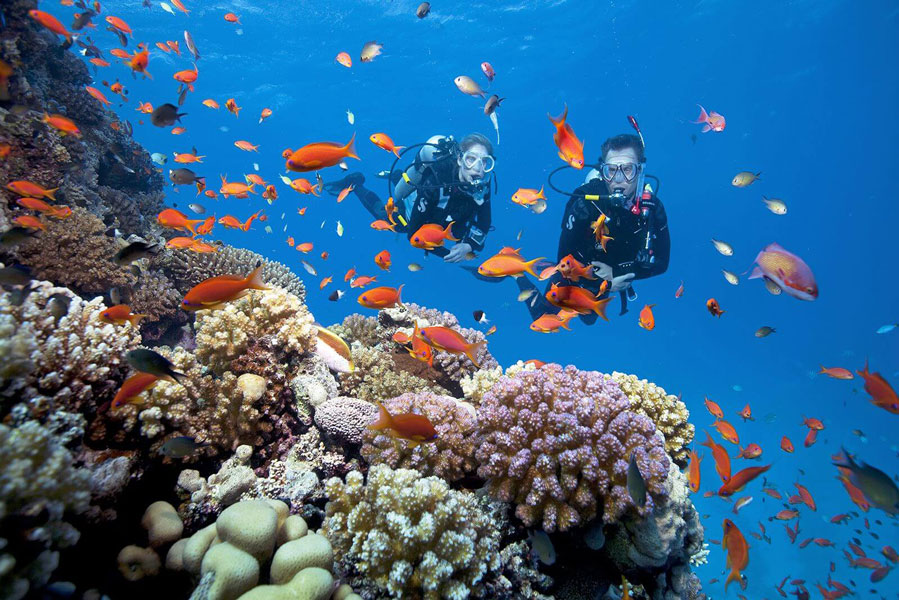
pixel 458 252
pixel 621 282
pixel 602 270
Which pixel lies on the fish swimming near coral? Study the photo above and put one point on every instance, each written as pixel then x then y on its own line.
pixel 181 447
pixel 636 485
pixel 215 292
pixel 333 350
pixel 148 361
pixel 408 426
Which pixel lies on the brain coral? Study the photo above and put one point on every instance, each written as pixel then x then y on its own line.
pixel 411 536
pixel 450 456
pixel 223 335
pixel 667 411
pixel 556 442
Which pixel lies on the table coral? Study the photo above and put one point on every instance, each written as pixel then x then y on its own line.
pixel 411 535
pixel 223 335
pixel 556 442
pixel 667 411
pixel 450 456
pixel 38 484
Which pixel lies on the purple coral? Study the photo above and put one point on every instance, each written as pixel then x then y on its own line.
pixel 556 442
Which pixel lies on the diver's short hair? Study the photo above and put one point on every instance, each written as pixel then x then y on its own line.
pixel 473 139
pixel 622 141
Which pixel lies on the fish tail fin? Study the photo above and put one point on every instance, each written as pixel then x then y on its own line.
pixel 254 280
pixel 396 150
pixel 599 307
pixel 385 419
pixel 471 351
pixel 561 119
pixel 529 265
pixel 540 194
pixel 734 576
pixel 756 273
pixel 350 147
pixel 136 319
pixel 50 193
pixel 703 116
pixel 176 376
pixel 448 232
pixel 706 128
pixel 399 291
pixel 758 175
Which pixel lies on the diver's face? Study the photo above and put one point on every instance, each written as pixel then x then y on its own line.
pixel 472 171
pixel 621 157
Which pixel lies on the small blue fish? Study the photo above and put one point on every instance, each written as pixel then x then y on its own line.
pixel 887 328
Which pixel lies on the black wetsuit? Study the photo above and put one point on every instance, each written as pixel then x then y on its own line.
pixel 628 231
pixel 433 201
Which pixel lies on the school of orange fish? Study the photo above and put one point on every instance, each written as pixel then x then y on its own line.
pixel 781 271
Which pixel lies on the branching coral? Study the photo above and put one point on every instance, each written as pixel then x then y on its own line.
pixel 556 442
pixel 359 328
pixel 411 535
pixel 68 361
pixel 75 253
pixel 38 483
pixel 376 377
pixel 223 335
pixel 187 269
pixel 450 456
pixel 155 296
pixel 669 414
pixel 475 385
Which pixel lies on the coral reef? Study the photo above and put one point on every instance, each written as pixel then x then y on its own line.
pixel 359 328
pixel 667 411
pixel 450 456
pixel 410 535
pixel 556 442
pixel 155 295
pixel 223 335
pixel 38 484
pixel 476 384
pixel 73 362
pixel 377 377
pixel 345 419
pixel 190 268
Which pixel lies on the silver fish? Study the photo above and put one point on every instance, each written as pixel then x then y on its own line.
pixel 309 268
pixel 469 86
pixel 764 331
pixel 723 247
pixel 159 158
pixel 772 287
pixel 730 277
pixel 189 40
pixel 776 206
pixel 493 102
pixel 167 8
pixel 197 208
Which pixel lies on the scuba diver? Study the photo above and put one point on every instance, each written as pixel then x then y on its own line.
pixel 447 182
pixel 638 243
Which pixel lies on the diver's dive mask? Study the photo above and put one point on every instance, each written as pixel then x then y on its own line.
pixel 470 160
pixel 623 172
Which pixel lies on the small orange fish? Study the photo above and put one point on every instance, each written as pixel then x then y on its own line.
pixel 806 496
pixel 60 212
pixel 304 186
pixel 813 423
pixel 144 107
pixel 680 290
pixel 382 259
pixel 349 274
pixel 34 204
pixel 305 247
pixel 785 444
pixel 133 387
pixel 235 188
pixel 180 6
pixel 713 307
pixel 63 125
pixel 881 392
pixel 178 130
pixel 51 23
pixel 175 219
pixel 507 265
pixel 120 314
pixel 30 222
pixel 271 193
pixel 600 229
pixel 647 319
pixel 215 292
pixel 571 268
pixel 727 431
pixel 266 113
pixel 246 146
pixel 720 456
pixel 173 45
pixel 431 235
pixel 164 47
pixel 187 158
pixel 383 141
pixel 810 438
pixel 210 194
pixel 180 243
pixel 737 550
pixel 139 61
pixel 695 474
pixel 750 451
pixel 210 103
pixel 550 323
pixel 746 414
pixel 344 59
pixel 119 24
pixel 450 340
pixel 714 409
pixel 187 77
pixel 98 95
pixel 528 196
pixel 416 429
pixel 711 121
pixel 381 297
pixel 232 107
pixel 578 299
pixel 319 155
pixel 571 149
pixel 836 372
pixel 202 247
pixel 420 349
pixel 786 515
pixel 120 53
pixel 739 480
pixel 389 208
pixel 382 225
pixel 232 18
pixel 343 193
pixel 325 282
pixel 99 62
pixel 361 282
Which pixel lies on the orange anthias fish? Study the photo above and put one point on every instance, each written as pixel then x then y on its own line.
pixel 746 414
pixel 511 265
pixel 737 553
pixel 382 225
pixel 571 149
pixel 450 340
pixel 63 125
pixel 713 307
pixel 390 207
pixel 344 59
pixel 382 259
pixel 421 350
pixel 712 121
pixel 217 291
pixel 180 243
pixel 187 158
pixel 572 269
pixel 133 387
pixel 305 247
pixel 813 423
pixel 381 297
pixel 231 222
pixel 51 23
pixel 232 18
pixel 120 314
pixel 119 24
pixel 720 456
pixel 577 299
pixel 319 155
pixel 836 372
pixel 431 235
pixel 362 281
pixel 785 444
pixel 787 271
pixel 528 196
pixel 415 428
pixel 206 227
pixel 647 319
pixel 235 188
pixel 727 431
pixel 550 323
pixel 383 141
pixel 144 107
pixel 139 61
pixel 246 146
pixel 881 392
pixel 750 451
pixel 266 113
pixel 806 496
pixel 345 191
pixel 325 282
pixel 600 229
pixel 35 204
pixel 232 107
pixel 349 274
pixel 98 95
pixel 695 473
pixel 679 291
pixel 304 186
pixel 810 438
pixel 210 103
pixel 714 409
pixel 739 480
pixel 177 220
pixel 30 222
pixel 187 77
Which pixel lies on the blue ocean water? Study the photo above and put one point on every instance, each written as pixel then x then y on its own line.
pixel 809 91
